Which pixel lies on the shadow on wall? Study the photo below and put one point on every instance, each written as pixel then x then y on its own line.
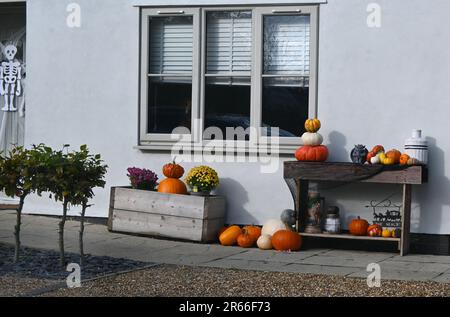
pixel 237 197
pixel 336 147
pixel 433 196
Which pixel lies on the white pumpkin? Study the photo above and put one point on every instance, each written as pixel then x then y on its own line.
pixel 375 160
pixel 312 139
pixel 264 242
pixel 273 225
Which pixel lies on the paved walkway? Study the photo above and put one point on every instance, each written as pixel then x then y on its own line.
pixel 41 232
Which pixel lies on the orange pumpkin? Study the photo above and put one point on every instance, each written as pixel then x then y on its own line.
pixel 404 159
pixel 358 227
pixel 253 231
pixel 284 240
pixel 377 149
pixel 172 186
pixel 375 230
pixel 229 236
pixel 395 155
pixel 173 170
pixel 309 153
pixel 244 240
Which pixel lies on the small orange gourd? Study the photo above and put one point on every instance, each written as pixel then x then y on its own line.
pixel 244 240
pixel 230 235
pixel 253 231
pixel 404 159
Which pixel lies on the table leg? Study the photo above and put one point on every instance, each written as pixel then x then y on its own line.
pixel 301 202
pixel 406 219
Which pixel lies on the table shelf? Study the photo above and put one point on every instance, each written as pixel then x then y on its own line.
pixel 348 236
pixel 305 172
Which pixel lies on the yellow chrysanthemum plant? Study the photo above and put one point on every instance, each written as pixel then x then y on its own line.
pixel 202 179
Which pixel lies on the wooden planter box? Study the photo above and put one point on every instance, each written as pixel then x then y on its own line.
pixel 188 217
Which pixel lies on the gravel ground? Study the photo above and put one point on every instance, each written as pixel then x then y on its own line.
pixel 173 281
pixel 40 268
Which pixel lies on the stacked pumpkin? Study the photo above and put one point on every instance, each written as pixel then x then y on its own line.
pixel 273 235
pixel 172 184
pixel 312 149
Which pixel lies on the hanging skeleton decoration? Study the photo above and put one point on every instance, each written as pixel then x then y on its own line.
pixel 10 78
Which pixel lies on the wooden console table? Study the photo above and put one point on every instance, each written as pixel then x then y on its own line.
pixel 303 172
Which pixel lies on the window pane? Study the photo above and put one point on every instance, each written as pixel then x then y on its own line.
pixel 285 105
pixel 169 104
pixel 228 42
pixel 171 45
pixel 286 44
pixel 227 103
pixel 171 51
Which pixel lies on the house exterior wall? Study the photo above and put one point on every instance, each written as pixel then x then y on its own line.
pixel 375 85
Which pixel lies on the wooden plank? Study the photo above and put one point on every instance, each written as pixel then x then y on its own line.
pixel 406 220
pixel 349 172
pixel 347 236
pixel 211 228
pixel 188 206
pixel 111 207
pixel 157 225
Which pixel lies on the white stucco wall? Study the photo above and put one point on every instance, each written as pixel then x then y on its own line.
pixel 375 85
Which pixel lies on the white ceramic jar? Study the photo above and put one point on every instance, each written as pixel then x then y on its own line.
pixel 417 146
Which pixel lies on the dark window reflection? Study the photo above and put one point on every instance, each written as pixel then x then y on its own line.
pixel 285 105
pixel 227 104
pixel 169 105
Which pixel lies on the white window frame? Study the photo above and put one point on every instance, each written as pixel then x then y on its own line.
pixel 149 141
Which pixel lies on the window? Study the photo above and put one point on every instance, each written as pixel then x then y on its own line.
pixel 227 68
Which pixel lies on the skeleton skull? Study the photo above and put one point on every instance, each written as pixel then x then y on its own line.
pixel 10 52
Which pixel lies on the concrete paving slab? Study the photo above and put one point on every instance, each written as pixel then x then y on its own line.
pixel 350 254
pixel 414 266
pixel 319 269
pixel 422 258
pixel 442 278
pixel 246 265
pixel 276 256
pixel 360 262
pixel 399 275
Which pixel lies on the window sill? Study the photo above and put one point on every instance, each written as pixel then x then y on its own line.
pixel 153 3
pixel 283 150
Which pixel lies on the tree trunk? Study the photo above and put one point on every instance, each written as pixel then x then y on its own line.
pixel 62 259
pixel 17 228
pixel 83 212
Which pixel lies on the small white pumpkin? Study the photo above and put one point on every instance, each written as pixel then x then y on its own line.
pixel 375 159
pixel 264 242
pixel 273 225
pixel 312 139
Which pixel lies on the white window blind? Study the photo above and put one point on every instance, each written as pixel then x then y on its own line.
pixel 286 45
pixel 171 45
pixel 229 42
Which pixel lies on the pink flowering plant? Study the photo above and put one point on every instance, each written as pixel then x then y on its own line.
pixel 141 178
